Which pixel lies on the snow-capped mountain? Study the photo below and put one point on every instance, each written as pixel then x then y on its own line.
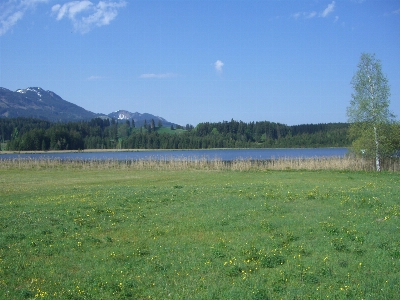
pixel 139 118
pixel 35 102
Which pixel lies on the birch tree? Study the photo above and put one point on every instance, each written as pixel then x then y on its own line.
pixel 369 112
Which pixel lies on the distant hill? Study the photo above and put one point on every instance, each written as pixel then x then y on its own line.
pixel 35 102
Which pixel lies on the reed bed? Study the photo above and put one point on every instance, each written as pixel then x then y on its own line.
pixel 317 163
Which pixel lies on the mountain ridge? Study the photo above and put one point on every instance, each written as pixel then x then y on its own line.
pixel 43 104
pixel 38 103
pixel 139 118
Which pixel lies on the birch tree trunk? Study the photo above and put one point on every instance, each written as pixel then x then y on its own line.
pixel 377 157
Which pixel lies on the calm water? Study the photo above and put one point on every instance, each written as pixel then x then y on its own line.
pixel 225 155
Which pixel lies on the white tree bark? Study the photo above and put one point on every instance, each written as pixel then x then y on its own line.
pixel 377 158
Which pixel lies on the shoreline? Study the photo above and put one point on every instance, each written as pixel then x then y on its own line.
pixel 78 151
pixel 145 150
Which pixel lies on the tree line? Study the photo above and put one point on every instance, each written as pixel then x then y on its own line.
pixel 24 134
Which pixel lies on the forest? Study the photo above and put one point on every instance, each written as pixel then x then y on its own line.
pixel 28 134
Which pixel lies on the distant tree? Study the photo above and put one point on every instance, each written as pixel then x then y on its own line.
pixel 159 124
pixel 124 130
pixel 14 135
pixel 214 131
pixel 368 112
pixel 44 147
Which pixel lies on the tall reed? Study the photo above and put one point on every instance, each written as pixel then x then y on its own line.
pixel 316 163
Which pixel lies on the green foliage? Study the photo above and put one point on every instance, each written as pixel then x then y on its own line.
pixel 364 146
pixel 118 234
pixel 370 100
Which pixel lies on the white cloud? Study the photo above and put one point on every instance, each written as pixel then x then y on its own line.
pixel 85 15
pixel 218 66
pixel 70 9
pixel 12 11
pixel 95 77
pixel 394 12
pixel 312 14
pixel 7 22
pixel 328 10
pixel 159 76
pixel 296 15
pixel 304 15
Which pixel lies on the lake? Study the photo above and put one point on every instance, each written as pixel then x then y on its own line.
pixel 212 154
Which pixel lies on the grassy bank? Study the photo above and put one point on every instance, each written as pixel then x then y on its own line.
pixel 104 232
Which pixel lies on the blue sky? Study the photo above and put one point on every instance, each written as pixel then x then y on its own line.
pixel 193 61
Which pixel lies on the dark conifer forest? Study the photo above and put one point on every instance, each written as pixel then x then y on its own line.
pixel 28 134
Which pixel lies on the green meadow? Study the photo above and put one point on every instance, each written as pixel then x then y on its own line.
pixel 192 233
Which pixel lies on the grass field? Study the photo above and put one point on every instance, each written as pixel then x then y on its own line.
pixel 89 233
